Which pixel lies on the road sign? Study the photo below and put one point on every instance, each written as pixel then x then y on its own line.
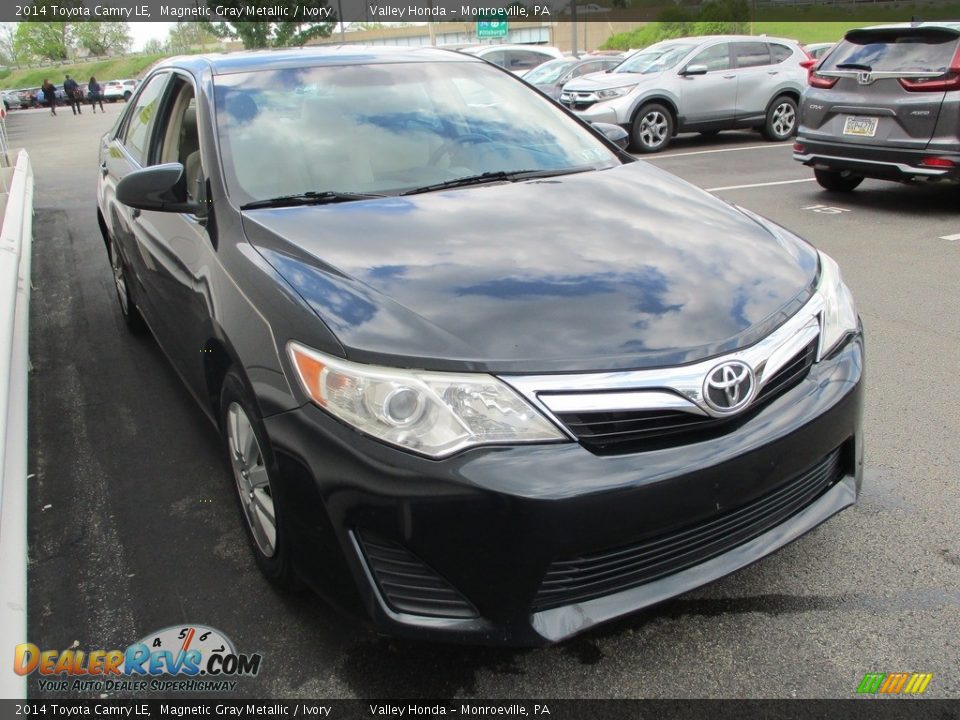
pixel 490 29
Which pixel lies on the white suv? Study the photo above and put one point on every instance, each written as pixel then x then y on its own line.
pixel 700 84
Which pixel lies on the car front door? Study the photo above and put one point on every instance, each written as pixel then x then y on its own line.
pixel 709 101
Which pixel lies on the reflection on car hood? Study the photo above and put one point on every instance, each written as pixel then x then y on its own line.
pixel 623 268
pixel 605 80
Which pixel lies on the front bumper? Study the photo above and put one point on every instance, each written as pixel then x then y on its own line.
pixel 490 523
pixel 604 112
pixel 875 162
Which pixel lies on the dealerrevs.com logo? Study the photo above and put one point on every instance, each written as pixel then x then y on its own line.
pixel 181 658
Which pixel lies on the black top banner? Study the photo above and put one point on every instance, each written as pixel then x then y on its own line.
pixel 422 11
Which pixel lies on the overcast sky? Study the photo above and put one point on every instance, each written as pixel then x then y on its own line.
pixel 143 31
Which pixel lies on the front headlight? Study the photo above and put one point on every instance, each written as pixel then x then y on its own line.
pixel 614 92
pixel 839 309
pixel 434 413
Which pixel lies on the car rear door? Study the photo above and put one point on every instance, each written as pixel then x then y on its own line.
pixel 128 150
pixel 885 87
pixel 757 77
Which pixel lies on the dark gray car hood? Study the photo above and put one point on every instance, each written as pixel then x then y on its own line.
pixel 622 268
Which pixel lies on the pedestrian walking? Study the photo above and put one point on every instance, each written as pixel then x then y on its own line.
pixel 49 95
pixel 72 91
pixel 96 97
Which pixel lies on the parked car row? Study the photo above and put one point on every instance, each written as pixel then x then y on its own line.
pixel 25 98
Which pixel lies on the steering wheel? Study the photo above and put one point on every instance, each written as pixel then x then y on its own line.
pixel 452 144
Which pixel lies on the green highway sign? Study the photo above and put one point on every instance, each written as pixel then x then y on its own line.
pixel 488 29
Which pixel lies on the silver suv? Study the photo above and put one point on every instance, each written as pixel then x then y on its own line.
pixel 885 103
pixel 700 84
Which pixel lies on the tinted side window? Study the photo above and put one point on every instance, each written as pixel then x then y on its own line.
pixel 143 117
pixel 751 54
pixel 523 59
pixel 779 53
pixel 590 67
pixel 715 58
pixel 497 57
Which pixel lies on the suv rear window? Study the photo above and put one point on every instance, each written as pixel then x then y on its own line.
pixel 898 50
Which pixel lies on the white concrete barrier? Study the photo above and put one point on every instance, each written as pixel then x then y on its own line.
pixel 16 207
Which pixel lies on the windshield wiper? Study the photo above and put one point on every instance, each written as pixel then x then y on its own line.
pixel 854 66
pixel 309 198
pixel 498 175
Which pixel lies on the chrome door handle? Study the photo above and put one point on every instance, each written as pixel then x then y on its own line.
pixel 773 72
pixel 729 77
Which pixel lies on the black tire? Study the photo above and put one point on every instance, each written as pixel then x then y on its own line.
pixel 126 95
pixel 837 180
pixel 132 318
pixel 781 122
pixel 652 128
pixel 256 490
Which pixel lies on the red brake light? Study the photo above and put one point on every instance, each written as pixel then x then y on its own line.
pixel 938 162
pixel 819 81
pixel 949 81
pixel 799 147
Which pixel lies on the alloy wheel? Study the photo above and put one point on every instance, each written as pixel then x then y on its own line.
pixel 784 119
pixel 253 482
pixel 653 129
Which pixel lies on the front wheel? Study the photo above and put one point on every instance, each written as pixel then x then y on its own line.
pixel 652 128
pixel 254 472
pixel 837 180
pixel 781 122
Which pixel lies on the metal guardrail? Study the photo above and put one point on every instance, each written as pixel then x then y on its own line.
pixel 16 237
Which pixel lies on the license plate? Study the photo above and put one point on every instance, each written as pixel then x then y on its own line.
pixel 860 126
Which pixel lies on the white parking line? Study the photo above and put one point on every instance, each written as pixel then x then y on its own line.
pixel 717 150
pixel 756 185
pixel 951 238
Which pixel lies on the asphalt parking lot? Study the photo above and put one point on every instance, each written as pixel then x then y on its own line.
pixel 134 526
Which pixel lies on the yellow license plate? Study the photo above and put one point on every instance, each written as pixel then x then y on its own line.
pixel 860 126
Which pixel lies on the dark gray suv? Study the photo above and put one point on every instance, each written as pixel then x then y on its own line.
pixel 884 103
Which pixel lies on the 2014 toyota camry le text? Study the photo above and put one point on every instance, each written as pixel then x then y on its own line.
pixel 480 375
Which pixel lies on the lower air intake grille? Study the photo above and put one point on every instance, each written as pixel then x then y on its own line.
pixel 577 579
pixel 625 431
pixel 408 584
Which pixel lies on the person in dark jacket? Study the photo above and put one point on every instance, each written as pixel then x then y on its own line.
pixel 93 90
pixel 72 91
pixel 49 95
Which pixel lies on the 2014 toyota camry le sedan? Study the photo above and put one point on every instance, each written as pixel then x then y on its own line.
pixel 480 375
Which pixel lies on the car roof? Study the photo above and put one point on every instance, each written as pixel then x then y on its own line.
pixel 248 60
pixel 699 39
pixel 945 25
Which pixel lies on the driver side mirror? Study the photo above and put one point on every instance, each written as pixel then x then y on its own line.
pixel 614 133
pixel 694 70
pixel 159 187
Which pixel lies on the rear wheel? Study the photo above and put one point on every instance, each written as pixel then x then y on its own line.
pixel 652 128
pixel 126 95
pixel 781 119
pixel 837 180
pixel 128 310
pixel 254 470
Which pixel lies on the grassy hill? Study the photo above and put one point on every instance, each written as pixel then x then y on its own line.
pixel 119 68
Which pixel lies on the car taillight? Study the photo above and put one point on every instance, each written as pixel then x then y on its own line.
pixel 950 80
pixel 799 147
pixel 809 64
pixel 819 81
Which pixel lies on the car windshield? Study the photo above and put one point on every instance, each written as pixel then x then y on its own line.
pixel 895 50
pixel 654 59
pixel 549 72
pixel 389 128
